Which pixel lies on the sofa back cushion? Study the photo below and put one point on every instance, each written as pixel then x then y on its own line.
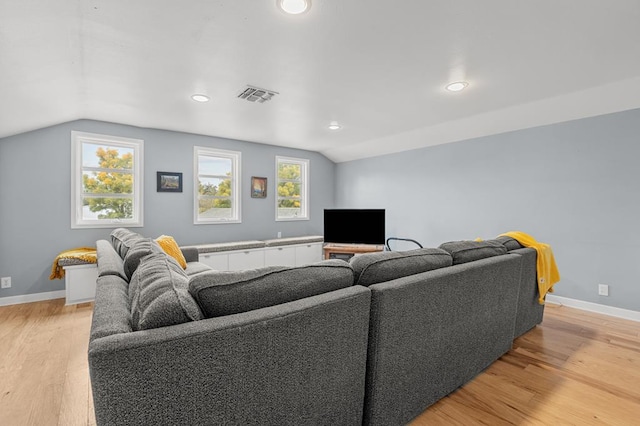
pixel 230 292
pixel 468 251
pixel 509 243
pixel 159 295
pixel 373 268
pixel 135 253
pixel 122 240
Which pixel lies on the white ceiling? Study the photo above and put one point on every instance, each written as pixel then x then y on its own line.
pixel 377 67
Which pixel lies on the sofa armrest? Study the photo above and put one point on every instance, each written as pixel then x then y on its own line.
pixel 111 313
pixel 190 254
pixel 301 362
pixel 530 311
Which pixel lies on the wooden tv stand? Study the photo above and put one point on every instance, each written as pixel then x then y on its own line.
pixel 346 251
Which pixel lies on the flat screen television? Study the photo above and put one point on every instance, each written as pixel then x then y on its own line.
pixel 354 226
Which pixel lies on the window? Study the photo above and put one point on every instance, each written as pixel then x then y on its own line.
pixel 217 186
pixel 106 181
pixel 292 189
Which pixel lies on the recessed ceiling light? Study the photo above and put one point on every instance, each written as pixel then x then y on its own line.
pixel 334 126
pixel 200 98
pixel 456 86
pixel 294 7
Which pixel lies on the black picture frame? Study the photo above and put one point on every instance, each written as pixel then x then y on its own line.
pixel 258 187
pixel 169 182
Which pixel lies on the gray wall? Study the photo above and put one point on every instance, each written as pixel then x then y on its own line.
pixel 574 185
pixel 35 171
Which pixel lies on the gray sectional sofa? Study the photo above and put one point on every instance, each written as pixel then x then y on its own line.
pixel 372 341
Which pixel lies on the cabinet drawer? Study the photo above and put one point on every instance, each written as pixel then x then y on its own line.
pixel 218 262
pixel 280 256
pixel 308 253
pixel 249 259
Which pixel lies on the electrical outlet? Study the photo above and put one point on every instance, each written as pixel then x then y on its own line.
pixel 603 290
pixel 6 282
pixel 279 234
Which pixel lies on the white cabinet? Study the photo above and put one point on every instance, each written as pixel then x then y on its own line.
pixel 308 253
pixel 289 255
pixel 280 256
pixel 80 283
pixel 234 260
pixel 246 259
pixel 217 261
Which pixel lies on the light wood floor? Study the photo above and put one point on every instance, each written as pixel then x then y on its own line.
pixel 44 376
pixel 576 368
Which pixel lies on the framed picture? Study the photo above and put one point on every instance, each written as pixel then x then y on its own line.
pixel 258 187
pixel 169 182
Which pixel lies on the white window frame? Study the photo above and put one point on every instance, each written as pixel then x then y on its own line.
pixel 304 187
pixel 236 184
pixel 77 140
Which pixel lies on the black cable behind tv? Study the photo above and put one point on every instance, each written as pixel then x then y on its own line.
pixel 354 226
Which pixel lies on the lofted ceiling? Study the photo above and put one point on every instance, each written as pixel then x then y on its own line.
pixel 377 67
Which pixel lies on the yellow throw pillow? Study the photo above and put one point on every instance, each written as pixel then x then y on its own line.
pixel 170 246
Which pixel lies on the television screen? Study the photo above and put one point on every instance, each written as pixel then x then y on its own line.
pixel 354 226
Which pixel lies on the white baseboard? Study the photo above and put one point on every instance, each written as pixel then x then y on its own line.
pixel 28 298
pixel 595 307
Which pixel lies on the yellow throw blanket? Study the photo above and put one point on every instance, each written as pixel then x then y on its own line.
pixel 86 254
pixel 546 267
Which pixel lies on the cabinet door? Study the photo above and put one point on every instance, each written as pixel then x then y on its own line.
pixel 308 253
pixel 80 282
pixel 280 256
pixel 249 259
pixel 216 261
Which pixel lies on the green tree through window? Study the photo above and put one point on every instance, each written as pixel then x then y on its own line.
pixel 107 181
pixel 116 177
pixel 289 185
pixel 217 183
pixel 221 190
pixel 292 194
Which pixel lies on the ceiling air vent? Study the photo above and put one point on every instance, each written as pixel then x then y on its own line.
pixel 255 94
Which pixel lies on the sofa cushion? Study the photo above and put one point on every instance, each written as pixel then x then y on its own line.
pixel 136 252
pixel 509 243
pixel 230 292
pixel 468 251
pixel 170 246
pixel 159 295
pixel 122 239
pixel 372 268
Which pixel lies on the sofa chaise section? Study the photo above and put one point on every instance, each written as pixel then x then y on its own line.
pixel 301 362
